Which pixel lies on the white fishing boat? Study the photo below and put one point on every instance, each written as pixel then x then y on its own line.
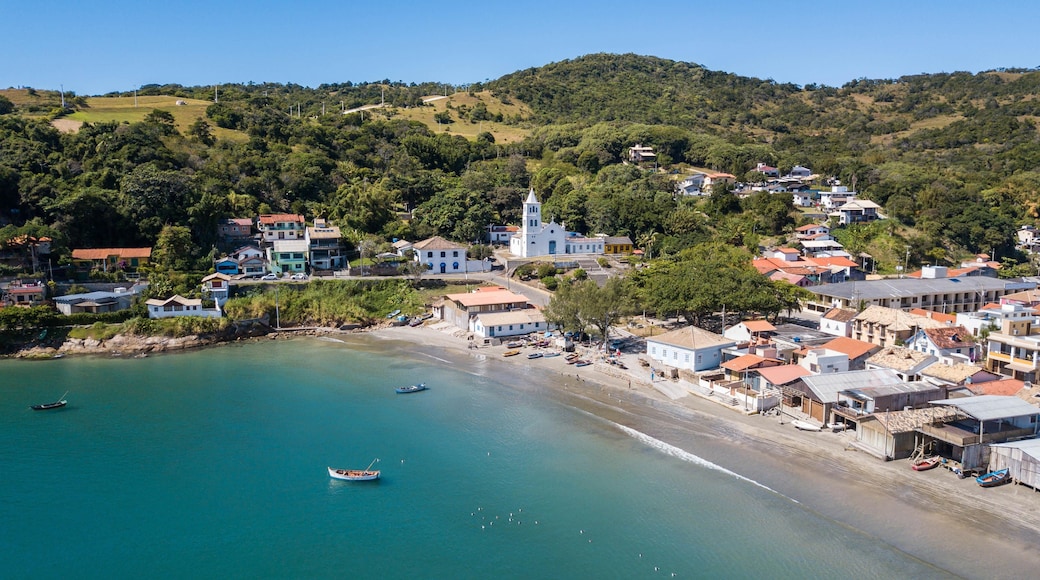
pixel 366 474
pixel 804 425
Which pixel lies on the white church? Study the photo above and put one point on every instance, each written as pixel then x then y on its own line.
pixel 539 239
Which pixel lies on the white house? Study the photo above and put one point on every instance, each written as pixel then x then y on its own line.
pixel 838 196
pixel 950 344
pixel 838 321
pixel 692 185
pixel 443 257
pixel 216 286
pixel 689 348
pixel 512 323
pixel 804 198
pixel 748 330
pixel 179 306
pixel 800 172
pixel 820 361
pixel 536 238
pixel 808 231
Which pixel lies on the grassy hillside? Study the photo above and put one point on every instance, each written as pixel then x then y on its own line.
pixel 128 109
pixel 460 106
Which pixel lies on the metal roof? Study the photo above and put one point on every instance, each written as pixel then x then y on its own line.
pixel 908 287
pixel 1030 447
pixel 991 407
pixel 826 387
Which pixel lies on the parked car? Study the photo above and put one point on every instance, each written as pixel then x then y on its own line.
pixel 269 277
pixel 298 276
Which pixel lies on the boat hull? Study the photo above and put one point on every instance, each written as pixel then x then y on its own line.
pixel 804 425
pixel 353 474
pixel 925 464
pixel 994 478
pixel 411 389
pixel 49 406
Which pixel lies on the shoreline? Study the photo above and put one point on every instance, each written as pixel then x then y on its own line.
pixel 932 516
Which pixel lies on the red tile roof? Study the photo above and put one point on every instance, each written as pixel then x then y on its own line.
pixel 950 337
pixel 744 362
pixel 783 374
pixel 851 347
pixel 275 218
pixel 758 326
pixel 947 318
pixel 840 314
pixel 1005 387
pixel 104 253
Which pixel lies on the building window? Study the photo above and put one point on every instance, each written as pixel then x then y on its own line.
pixel 455 254
pixel 442 254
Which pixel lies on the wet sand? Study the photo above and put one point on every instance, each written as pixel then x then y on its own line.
pixel 950 523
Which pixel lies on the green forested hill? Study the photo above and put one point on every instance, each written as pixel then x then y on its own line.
pixel 953 158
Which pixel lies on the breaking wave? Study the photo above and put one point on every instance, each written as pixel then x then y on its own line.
pixel 674 451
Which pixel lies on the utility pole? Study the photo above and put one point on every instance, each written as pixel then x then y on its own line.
pixel 216 97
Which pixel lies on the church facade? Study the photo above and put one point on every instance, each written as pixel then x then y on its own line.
pixel 536 238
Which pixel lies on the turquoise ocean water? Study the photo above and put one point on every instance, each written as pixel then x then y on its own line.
pixel 212 464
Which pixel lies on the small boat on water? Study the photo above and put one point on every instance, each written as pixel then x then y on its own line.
pixel 366 474
pixel 511 353
pixel 61 402
pixel 804 425
pixel 994 478
pixel 410 389
pixel 925 463
pixel 535 355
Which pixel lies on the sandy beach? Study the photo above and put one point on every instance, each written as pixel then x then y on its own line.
pixel 950 523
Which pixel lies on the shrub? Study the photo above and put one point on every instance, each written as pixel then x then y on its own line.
pixel 550 282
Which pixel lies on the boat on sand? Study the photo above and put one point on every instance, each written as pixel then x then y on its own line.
pixel 994 478
pixel 804 425
pixel 511 353
pixel 925 463
pixel 366 474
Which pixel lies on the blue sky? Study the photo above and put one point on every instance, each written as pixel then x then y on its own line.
pixel 116 45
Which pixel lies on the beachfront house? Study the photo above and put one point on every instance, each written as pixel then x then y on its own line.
pixel 288 256
pixel 99 301
pixel 893 435
pixel 981 421
pixel 177 305
pixel 216 287
pixel 688 348
pixel 24 294
pixel 462 309
pixel 1022 458
pixel 816 395
pixel 511 323
pixel 323 246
